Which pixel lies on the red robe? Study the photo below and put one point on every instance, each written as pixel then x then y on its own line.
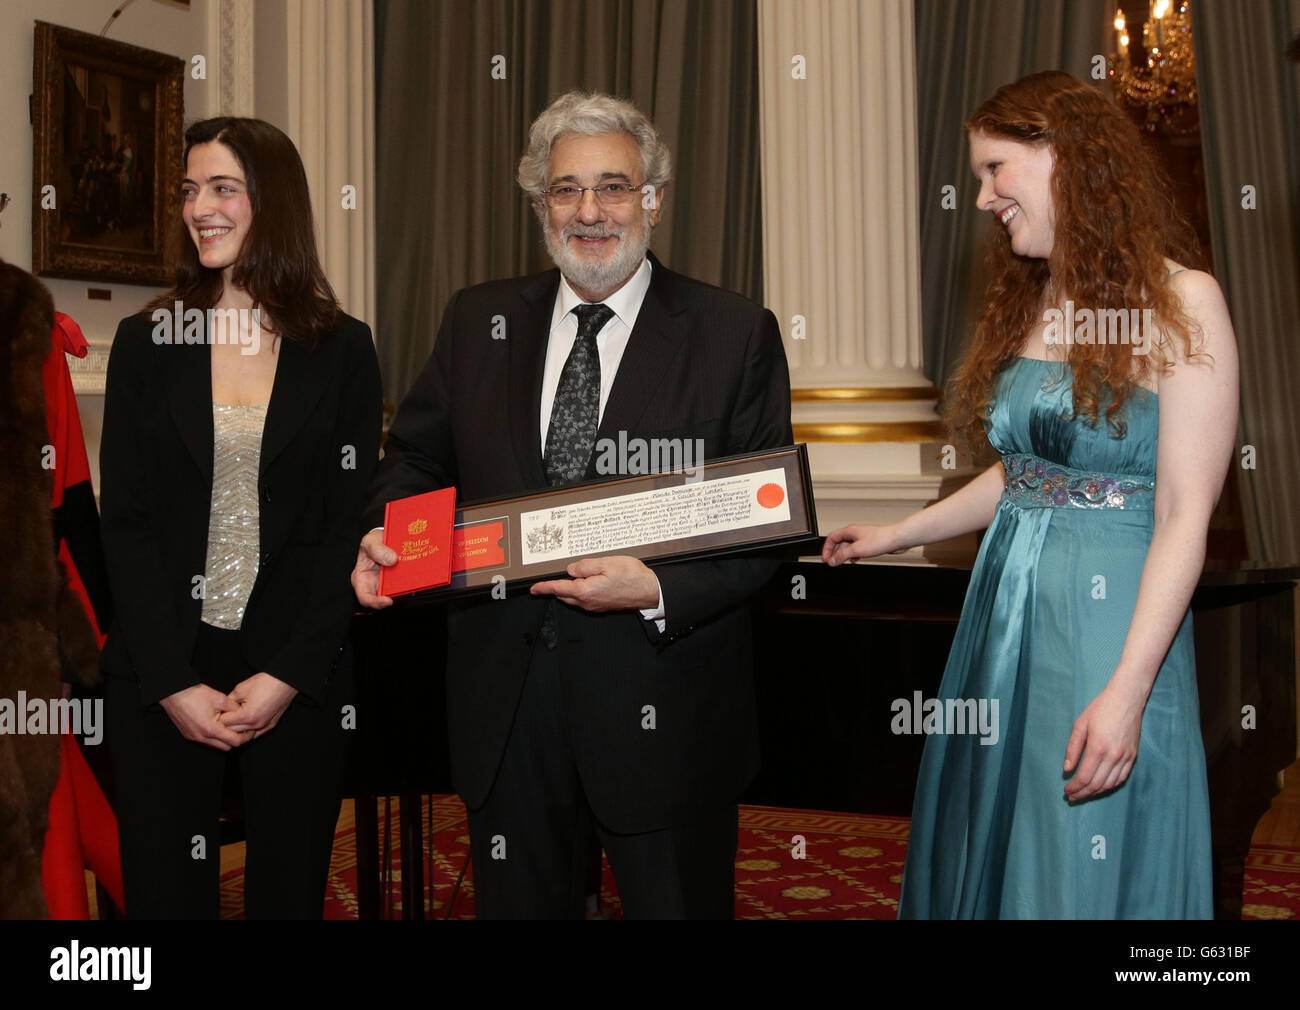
pixel 82 830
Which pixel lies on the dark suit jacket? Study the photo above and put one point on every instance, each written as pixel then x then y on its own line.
pixel 700 363
pixel 156 491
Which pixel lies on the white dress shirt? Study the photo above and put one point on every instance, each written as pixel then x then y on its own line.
pixel 611 342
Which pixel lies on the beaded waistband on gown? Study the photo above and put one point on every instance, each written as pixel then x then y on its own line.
pixel 1033 482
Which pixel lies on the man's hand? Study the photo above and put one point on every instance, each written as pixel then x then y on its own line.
pixel 196 712
pixel 261 700
pixel 371 556
pixel 600 584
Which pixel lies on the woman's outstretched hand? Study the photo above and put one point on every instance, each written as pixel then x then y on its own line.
pixel 858 541
pixel 1106 734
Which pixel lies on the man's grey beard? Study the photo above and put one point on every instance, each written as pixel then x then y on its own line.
pixel 608 274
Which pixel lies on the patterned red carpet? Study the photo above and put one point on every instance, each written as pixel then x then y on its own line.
pixel 848 867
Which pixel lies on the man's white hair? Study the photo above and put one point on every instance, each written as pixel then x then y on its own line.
pixel 590 114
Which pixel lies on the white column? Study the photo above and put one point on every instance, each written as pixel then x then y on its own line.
pixel 232 27
pixel 841 267
pixel 330 65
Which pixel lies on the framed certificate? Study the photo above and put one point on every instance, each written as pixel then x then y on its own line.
pixel 728 505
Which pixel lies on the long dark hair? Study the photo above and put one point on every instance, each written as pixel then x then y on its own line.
pixel 277 265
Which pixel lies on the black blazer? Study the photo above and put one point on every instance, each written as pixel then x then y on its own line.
pixel 156 490
pixel 700 363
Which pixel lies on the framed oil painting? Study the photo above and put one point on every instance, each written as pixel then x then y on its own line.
pixel 107 137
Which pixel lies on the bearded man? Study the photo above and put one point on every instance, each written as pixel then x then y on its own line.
pixel 620 700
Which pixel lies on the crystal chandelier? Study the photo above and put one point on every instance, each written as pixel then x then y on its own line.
pixel 1158 76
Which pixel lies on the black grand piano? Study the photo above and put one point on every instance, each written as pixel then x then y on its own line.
pixel 829 665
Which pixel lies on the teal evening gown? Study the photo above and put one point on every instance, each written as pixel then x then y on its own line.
pixel 1041 631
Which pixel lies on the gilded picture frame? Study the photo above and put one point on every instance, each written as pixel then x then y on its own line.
pixel 107 121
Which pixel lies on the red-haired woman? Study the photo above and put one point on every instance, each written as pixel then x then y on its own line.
pixel 241 428
pixel 1087 797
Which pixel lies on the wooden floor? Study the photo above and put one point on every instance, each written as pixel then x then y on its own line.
pixel 1279 827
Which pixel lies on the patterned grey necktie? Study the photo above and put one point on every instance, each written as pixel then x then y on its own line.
pixel 576 410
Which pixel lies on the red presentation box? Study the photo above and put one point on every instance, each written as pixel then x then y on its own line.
pixel 419 529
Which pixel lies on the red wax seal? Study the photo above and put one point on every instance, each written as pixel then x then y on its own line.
pixel 770 496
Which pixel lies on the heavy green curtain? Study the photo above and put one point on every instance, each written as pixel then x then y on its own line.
pixel 1250 135
pixel 966 50
pixel 449 135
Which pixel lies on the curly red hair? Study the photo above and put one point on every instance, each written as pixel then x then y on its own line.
pixel 1116 221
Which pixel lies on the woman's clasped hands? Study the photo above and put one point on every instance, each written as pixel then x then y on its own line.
pixel 224 721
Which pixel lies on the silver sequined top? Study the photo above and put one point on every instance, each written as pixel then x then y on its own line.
pixel 233 533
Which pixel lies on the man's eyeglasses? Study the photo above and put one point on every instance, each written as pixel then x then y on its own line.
pixel 610 194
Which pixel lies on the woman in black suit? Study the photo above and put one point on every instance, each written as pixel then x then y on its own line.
pixel 241 427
